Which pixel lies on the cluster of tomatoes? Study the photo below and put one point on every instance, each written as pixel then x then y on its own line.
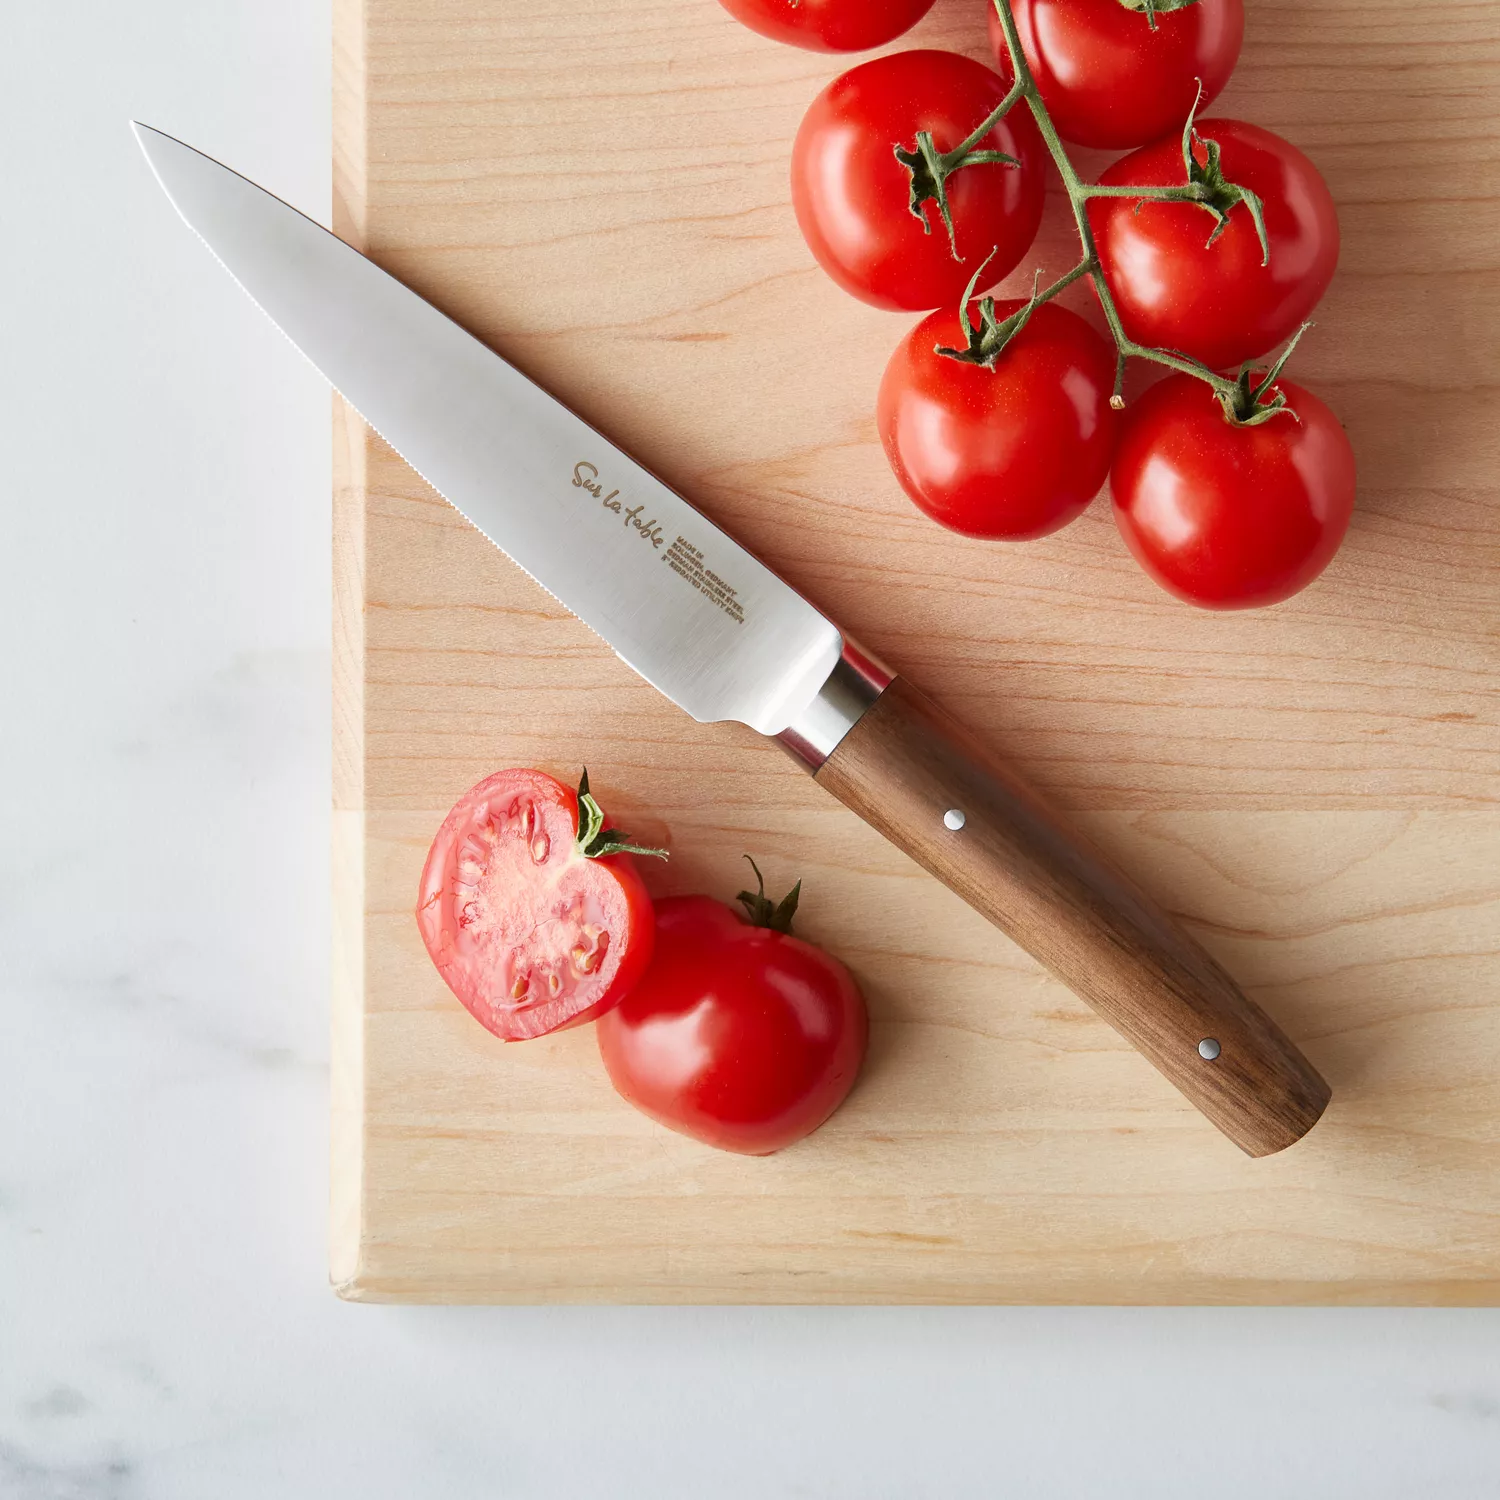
pixel 1232 487
pixel 719 1024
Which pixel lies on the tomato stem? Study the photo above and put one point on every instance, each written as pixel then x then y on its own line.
pixel 1003 108
pixel 1206 186
pixel 1154 8
pixel 930 168
pixel 1187 192
pixel 762 911
pixel 595 840
pixel 985 341
pixel 1250 406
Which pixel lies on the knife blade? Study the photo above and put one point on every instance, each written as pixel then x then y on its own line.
pixel 696 615
pixel 725 638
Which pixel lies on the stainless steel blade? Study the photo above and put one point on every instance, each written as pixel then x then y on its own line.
pixel 682 603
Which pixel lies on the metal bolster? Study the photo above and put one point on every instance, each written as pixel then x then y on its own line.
pixel 856 681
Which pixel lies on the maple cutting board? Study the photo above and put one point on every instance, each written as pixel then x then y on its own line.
pixel 599 189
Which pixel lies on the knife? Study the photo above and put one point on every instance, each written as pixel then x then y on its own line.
pixel 724 638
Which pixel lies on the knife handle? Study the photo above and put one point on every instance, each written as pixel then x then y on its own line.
pixel 915 775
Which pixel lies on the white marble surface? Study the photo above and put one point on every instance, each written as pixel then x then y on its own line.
pixel 165 1326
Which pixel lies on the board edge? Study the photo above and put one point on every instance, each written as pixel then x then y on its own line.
pixel 346 1221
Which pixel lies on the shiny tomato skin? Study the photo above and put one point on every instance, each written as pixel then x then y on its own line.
pixel 1108 79
pixel 851 195
pixel 741 1037
pixel 508 903
pixel 1231 517
pixel 830 25
pixel 1217 302
pixel 1014 452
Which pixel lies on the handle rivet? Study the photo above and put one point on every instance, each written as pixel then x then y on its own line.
pixel 954 818
pixel 1208 1048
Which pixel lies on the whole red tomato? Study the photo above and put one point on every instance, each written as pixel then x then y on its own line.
pixel 1015 451
pixel 852 196
pixel 531 930
pixel 1231 517
pixel 1217 302
pixel 830 25
pixel 1107 78
pixel 742 1036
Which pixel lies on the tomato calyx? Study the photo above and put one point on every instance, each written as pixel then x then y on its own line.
pixel 1245 403
pixel 762 911
pixel 930 168
pixel 595 839
pixel 1219 196
pixel 1206 187
pixel 988 339
pixel 1153 8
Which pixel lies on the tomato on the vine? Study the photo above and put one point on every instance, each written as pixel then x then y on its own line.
pixel 830 25
pixel 1227 516
pixel 739 1034
pixel 1218 303
pixel 852 197
pixel 1016 451
pixel 1108 78
pixel 531 920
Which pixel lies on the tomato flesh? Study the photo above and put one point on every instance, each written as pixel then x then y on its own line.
pixel 529 933
pixel 1218 303
pixel 852 197
pixel 830 25
pixel 741 1037
pixel 1012 452
pixel 1108 79
pixel 1231 517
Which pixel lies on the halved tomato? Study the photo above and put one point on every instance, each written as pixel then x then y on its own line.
pixel 531 908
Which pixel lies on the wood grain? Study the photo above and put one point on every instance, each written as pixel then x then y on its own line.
pixel 598 188
pixel 907 769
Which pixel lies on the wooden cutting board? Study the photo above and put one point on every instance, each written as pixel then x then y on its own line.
pixel 599 189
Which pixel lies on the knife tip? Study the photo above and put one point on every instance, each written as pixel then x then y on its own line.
pixel 145 134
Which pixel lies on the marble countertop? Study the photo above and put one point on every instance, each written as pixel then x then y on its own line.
pixel 166 1329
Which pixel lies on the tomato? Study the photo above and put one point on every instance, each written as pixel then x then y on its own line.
pixel 830 25
pixel 742 1036
pixel 1217 302
pixel 1107 78
pixel 529 931
pixel 852 197
pixel 1231 517
pixel 1015 451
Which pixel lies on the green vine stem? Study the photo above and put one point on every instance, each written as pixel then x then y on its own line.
pixel 1205 186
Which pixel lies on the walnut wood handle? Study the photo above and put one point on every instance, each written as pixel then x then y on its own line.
pixel 906 764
